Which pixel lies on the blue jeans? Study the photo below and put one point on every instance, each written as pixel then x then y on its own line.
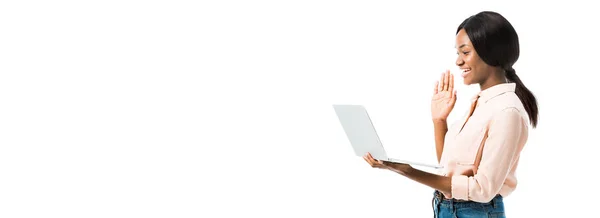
pixel 451 208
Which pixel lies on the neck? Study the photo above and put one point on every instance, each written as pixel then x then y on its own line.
pixel 495 78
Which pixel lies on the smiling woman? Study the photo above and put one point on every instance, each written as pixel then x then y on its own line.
pixel 481 151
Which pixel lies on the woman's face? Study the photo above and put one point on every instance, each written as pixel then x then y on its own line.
pixel 474 70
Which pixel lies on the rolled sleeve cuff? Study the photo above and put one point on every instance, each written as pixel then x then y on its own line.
pixel 460 187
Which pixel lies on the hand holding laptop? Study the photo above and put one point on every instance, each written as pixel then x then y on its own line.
pixel 386 165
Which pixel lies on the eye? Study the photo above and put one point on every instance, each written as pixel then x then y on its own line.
pixel 466 53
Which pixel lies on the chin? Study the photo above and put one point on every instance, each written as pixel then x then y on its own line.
pixel 468 80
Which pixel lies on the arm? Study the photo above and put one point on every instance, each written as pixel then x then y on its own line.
pixel 440 128
pixel 441 183
pixel 442 103
pixel 499 154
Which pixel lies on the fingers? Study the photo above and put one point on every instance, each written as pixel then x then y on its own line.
pixel 441 84
pixel 366 157
pixel 444 81
pixel 452 98
pixel 374 160
pixel 371 159
pixel 451 82
pixel 374 163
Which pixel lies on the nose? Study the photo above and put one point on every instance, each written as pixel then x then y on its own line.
pixel 459 61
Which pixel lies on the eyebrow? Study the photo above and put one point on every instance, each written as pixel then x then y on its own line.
pixel 463 45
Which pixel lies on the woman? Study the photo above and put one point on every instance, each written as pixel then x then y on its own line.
pixel 480 152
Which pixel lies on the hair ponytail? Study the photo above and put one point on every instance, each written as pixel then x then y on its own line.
pixel 526 97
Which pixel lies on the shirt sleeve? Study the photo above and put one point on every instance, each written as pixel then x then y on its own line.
pixel 500 151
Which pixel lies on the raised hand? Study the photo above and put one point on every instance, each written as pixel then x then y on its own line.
pixel 444 97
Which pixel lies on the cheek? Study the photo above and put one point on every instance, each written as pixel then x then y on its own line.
pixel 475 65
pixel 470 62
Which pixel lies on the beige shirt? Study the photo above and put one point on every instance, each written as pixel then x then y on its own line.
pixel 481 152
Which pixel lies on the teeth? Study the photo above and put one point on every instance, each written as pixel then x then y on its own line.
pixel 465 72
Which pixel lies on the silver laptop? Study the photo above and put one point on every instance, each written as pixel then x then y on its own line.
pixel 362 135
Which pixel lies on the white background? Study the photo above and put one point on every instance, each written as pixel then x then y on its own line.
pixel 223 108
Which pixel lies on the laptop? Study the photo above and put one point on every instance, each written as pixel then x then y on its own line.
pixel 362 135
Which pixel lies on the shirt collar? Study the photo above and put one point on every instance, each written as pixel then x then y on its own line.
pixel 496 90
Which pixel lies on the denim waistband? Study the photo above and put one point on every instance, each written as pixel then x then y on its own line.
pixel 450 202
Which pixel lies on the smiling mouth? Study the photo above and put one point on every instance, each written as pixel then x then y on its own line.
pixel 465 72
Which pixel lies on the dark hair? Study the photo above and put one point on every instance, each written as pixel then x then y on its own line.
pixel 497 43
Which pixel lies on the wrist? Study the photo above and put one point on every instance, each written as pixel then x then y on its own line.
pixel 403 169
pixel 406 171
pixel 439 120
